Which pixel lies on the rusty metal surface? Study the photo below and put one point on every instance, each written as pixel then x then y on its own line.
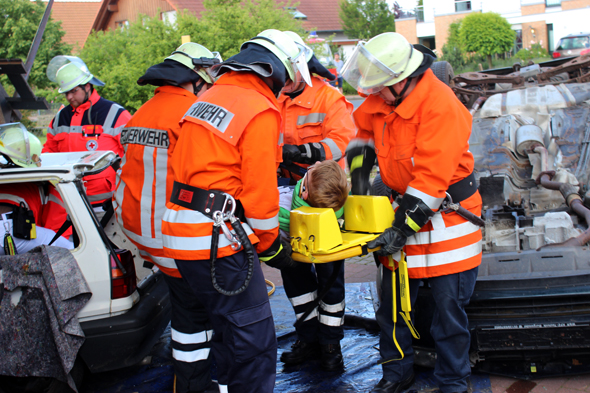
pixel 470 86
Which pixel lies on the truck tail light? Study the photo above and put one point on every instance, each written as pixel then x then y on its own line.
pixel 123 285
pixel 556 55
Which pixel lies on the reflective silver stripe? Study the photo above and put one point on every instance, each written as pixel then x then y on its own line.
pixel 441 235
pixel 311 118
pixel 358 142
pixel 332 308
pixel 303 299
pixel 161 175
pixel 14 199
pixel 444 258
pixel 190 356
pixel 264 225
pixel 430 201
pixel 331 321
pixel 222 388
pixel 146 241
pixel 312 315
pixel 145 212
pixel 113 131
pixel 185 217
pixel 108 123
pixel 53 131
pixel 336 153
pixel 54 199
pixel 200 243
pixel 164 262
pixel 100 197
pixel 281 138
pixel 191 338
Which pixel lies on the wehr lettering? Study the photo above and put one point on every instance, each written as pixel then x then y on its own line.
pixel 215 115
pixel 145 137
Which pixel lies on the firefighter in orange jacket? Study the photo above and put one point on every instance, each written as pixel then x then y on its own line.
pixel 145 184
pixel 222 216
pixel 89 122
pixel 317 126
pixel 419 132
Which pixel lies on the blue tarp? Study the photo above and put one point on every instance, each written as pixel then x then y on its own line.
pixel 359 347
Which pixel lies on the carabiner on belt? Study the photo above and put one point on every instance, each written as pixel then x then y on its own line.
pixel 223 215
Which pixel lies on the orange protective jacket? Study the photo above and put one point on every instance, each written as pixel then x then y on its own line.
pixel 145 182
pixel 422 148
pixel 94 125
pixel 319 114
pixel 229 143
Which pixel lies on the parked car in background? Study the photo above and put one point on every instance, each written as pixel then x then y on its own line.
pixel 572 45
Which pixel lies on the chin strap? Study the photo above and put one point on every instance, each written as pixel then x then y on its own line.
pixel 197 88
pixel 400 97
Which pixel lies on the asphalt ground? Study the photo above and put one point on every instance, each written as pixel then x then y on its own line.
pixel 363 269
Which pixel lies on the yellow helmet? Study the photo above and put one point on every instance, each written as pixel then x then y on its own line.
pixel 290 54
pixel 69 72
pixel 384 60
pixel 19 145
pixel 196 57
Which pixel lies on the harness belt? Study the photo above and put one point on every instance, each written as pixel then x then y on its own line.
pixel 204 201
pixel 463 189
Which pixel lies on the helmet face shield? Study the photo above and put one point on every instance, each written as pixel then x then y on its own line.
pixel 22 147
pixel 369 75
pixel 69 72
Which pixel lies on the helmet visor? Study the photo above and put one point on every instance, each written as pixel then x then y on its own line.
pixel 367 74
pixel 298 63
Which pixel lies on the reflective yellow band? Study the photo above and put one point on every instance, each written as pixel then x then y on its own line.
pixel 357 162
pixel 412 224
pixel 264 259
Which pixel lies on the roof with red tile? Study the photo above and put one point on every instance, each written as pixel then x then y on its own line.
pixel 76 19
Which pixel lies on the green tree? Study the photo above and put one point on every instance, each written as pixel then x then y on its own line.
pixel 486 34
pixel 119 57
pixel 365 19
pixel 452 49
pixel 21 19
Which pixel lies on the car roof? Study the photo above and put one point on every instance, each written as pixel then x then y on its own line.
pixel 65 166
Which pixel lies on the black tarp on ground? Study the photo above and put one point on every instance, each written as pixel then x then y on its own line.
pixel 359 348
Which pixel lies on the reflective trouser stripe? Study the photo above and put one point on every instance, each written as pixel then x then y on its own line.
pixel 191 338
pixel 303 299
pixel 190 356
pixel 312 315
pixel 332 308
pixel 331 321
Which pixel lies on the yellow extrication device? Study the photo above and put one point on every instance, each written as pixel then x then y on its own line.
pixel 317 237
pixel 405 301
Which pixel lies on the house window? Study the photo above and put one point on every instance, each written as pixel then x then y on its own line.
pixel 461 5
pixel 169 17
pixel 552 3
pixel 122 24
pixel 517 40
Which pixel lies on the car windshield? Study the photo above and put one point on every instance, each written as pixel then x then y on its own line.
pixel 573 43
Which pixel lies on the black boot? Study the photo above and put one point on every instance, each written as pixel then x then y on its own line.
pixel 385 386
pixel 331 357
pixel 300 352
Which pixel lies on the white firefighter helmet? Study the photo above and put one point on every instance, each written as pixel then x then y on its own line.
pixel 384 60
pixel 299 41
pixel 69 72
pixel 198 58
pixel 19 145
pixel 290 54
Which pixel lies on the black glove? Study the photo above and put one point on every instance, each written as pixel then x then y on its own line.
pixel 410 217
pixel 311 153
pixel 279 259
pixel 291 153
pixel 360 156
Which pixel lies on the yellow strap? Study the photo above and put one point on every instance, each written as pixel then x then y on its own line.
pixel 265 259
pixel 33 231
pixel 406 301
pixel 357 162
pixel 412 224
pixel 394 314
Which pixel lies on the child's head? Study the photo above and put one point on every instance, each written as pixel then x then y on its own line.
pixel 326 185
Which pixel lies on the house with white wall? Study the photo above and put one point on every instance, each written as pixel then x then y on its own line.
pixel 535 21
